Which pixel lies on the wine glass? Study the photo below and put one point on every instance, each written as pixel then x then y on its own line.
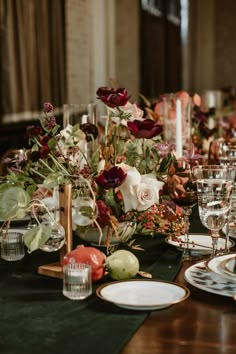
pixel 214 187
pixel 183 191
pixel 227 157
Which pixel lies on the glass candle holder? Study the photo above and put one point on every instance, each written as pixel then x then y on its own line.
pixel 12 246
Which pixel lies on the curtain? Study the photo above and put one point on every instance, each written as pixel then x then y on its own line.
pixel 32 55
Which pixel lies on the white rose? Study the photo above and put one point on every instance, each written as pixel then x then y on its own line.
pixel 148 192
pixel 139 192
pixel 128 187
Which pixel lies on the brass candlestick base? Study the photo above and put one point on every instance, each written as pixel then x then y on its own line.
pixel 55 269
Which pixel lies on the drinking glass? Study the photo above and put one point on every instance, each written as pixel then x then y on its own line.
pixel 183 191
pixel 12 246
pixel 85 115
pixel 214 187
pixel 77 281
pixel 79 113
pixel 227 154
pixel 227 157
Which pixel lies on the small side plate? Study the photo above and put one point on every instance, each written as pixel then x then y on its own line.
pixel 144 295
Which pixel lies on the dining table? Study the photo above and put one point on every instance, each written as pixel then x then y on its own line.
pixel 36 317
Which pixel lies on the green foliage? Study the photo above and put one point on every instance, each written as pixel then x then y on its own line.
pixel 13 202
pixel 36 237
pixel 55 179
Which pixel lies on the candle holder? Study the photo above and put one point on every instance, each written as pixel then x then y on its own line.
pixel 55 270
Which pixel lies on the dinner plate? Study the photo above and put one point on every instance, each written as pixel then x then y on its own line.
pixel 228 266
pixel 146 294
pixel 198 243
pixel 214 265
pixel 200 277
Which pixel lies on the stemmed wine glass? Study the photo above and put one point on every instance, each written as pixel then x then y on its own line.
pixel 183 191
pixel 214 186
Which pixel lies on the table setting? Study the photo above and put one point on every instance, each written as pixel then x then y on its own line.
pixel 96 233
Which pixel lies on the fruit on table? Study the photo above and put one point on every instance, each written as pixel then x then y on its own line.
pixel 122 264
pixel 88 255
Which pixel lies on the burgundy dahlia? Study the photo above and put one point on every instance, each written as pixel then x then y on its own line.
pixel 113 97
pixel 146 129
pixel 111 178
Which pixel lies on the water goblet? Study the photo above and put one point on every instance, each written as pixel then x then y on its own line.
pixel 227 157
pixel 214 187
pixel 183 191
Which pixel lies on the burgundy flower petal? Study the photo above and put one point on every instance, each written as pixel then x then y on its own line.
pixel 113 97
pixel 146 129
pixel 33 130
pixel 111 178
pixel 44 151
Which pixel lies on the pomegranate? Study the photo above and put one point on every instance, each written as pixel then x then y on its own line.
pixel 88 255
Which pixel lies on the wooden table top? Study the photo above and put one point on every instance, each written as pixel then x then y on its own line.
pixel 205 323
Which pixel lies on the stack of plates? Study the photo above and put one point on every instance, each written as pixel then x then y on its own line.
pixel 215 276
pixel 224 265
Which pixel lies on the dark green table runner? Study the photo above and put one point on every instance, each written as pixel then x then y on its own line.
pixel 36 318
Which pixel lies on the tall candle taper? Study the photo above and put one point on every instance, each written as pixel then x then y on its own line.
pixel 179 136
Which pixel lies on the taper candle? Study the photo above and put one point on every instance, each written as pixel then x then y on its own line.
pixel 179 135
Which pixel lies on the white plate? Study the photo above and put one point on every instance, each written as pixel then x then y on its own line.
pixel 214 265
pixel 231 235
pixel 197 275
pixel 198 243
pixel 228 266
pixel 143 294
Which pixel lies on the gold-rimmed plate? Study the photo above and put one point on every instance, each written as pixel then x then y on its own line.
pixel 199 244
pixel 200 277
pixel 144 295
pixel 228 266
pixel 214 265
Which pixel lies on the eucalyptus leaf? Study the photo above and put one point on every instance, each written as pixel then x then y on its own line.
pixel 36 237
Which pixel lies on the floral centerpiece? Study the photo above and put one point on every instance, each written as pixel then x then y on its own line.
pixel 123 181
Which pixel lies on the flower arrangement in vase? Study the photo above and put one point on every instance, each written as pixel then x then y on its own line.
pixel 122 182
